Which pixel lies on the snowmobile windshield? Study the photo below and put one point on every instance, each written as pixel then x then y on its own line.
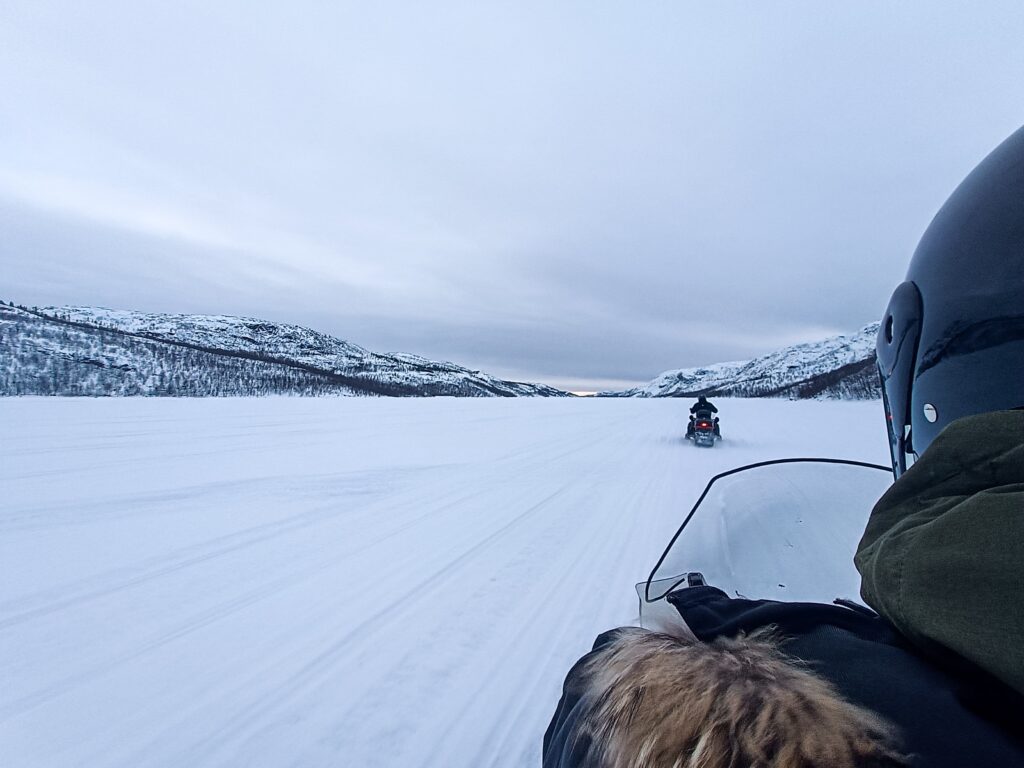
pixel 779 530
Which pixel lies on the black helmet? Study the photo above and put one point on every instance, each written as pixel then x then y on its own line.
pixel 702 398
pixel 952 339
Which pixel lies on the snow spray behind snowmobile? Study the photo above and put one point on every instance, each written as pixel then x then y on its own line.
pixel 785 529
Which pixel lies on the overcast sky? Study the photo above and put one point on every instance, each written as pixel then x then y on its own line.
pixel 581 193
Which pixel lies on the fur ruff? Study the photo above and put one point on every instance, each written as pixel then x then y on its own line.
pixel 668 701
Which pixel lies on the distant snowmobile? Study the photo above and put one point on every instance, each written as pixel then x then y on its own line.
pixel 703 429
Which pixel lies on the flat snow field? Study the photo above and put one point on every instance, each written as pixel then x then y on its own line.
pixel 337 581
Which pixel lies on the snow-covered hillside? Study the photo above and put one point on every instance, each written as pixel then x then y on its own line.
pixel 838 367
pixel 338 581
pixel 94 351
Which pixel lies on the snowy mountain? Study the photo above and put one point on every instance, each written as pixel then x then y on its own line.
pixel 840 367
pixel 95 351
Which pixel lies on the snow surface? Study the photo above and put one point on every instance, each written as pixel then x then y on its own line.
pixel 337 581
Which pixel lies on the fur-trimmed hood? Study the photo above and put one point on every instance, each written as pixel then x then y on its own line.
pixel 659 700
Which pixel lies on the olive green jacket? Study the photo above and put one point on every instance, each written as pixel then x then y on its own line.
pixel 943 554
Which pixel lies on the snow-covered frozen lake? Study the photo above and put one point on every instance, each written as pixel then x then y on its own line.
pixel 337 582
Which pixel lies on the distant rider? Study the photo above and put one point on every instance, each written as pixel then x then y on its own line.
pixel 705 406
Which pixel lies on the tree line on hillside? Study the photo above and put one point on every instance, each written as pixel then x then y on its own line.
pixel 42 357
pixel 53 354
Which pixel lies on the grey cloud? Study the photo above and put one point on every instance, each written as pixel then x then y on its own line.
pixel 561 191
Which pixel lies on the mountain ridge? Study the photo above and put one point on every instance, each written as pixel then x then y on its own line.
pixel 142 354
pixel 839 367
pixel 95 351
